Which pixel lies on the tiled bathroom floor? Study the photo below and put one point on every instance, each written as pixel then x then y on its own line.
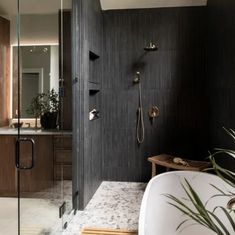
pixel 39 211
pixel 114 205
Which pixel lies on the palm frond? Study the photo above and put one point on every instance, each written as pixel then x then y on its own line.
pixel 229 217
pixel 230 132
pixel 182 223
pixel 218 189
pixel 220 223
pixel 192 215
pixel 225 151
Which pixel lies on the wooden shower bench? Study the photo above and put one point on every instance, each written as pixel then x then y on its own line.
pixel 100 231
pixel 167 161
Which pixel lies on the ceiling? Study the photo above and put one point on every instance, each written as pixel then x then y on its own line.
pixel 131 4
pixel 9 7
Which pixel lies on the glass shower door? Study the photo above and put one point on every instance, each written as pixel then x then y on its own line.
pixel 66 110
pixel 42 145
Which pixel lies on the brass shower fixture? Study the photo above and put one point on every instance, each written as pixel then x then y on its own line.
pixel 154 112
pixel 136 79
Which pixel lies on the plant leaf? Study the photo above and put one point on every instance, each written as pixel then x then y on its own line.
pixel 198 204
pixel 228 216
pixel 230 132
pixel 182 223
pixel 193 216
pixel 220 223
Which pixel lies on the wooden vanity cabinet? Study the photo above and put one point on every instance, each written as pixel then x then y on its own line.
pixel 53 161
pixel 41 176
pixel 63 157
pixel 37 179
pixel 8 173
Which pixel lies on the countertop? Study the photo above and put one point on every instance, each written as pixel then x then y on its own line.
pixel 32 131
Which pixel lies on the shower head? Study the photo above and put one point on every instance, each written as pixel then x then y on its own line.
pixel 151 47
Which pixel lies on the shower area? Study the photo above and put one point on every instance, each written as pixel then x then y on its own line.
pixel 152 88
pixel 126 84
pixel 143 71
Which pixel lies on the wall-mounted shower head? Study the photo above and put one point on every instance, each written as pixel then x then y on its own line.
pixel 151 47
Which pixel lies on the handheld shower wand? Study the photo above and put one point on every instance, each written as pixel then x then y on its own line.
pixel 140 117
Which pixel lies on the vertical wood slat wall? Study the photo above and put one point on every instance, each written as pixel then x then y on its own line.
pixel 172 78
pixel 87 159
pixel 221 75
pixel 65 41
pixel 4 71
pixel 175 78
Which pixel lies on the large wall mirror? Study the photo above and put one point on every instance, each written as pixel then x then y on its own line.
pixel 39 31
pixel 44 57
pixel 39 74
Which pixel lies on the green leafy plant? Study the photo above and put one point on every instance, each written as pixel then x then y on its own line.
pixel 44 103
pixel 35 108
pixel 50 102
pixel 199 213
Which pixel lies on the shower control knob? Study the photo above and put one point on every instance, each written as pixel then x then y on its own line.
pixel 153 113
pixel 93 114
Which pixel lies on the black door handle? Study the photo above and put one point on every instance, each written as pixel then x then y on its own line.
pixel 17 154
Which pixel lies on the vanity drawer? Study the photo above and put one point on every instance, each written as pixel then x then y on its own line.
pixel 67 172
pixel 63 142
pixel 63 156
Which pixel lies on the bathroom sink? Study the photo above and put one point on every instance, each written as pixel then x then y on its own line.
pixel 22 130
pixel 29 129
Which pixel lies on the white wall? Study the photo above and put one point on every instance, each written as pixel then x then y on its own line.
pixel 36 29
pixel 54 74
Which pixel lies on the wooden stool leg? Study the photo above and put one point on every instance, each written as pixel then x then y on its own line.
pixel 153 169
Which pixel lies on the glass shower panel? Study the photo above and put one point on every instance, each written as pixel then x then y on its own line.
pixel 42 144
pixel 66 108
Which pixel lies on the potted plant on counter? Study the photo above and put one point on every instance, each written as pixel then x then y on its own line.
pixel 35 108
pixel 45 106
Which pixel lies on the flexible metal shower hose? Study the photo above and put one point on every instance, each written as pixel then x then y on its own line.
pixel 140 119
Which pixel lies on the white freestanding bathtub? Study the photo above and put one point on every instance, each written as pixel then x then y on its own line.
pixel 157 217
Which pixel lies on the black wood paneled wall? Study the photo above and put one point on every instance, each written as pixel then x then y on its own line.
pixel 87 159
pixel 172 78
pixel 221 73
